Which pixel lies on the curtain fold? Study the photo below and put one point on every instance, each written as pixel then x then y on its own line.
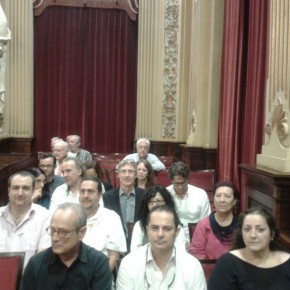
pixel 85 77
pixel 243 86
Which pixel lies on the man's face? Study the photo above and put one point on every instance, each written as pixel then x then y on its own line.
pixel 20 191
pixel 180 185
pixel 59 151
pixel 47 166
pixel 127 174
pixel 142 149
pixel 71 174
pixel 65 237
pixel 89 195
pixel 73 144
pixel 161 231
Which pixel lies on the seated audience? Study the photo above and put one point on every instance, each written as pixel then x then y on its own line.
pixel 104 227
pixel 92 168
pixel 191 202
pixel 74 142
pixel 125 200
pixel 47 163
pixel 212 235
pixel 145 174
pixel 23 223
pixel 159 264
pixel 255 263
pixel 153 196
pixel 143 146
pixel 69 191
pixel 39 176
pixel 68 263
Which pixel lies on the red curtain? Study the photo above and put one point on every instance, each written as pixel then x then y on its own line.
pixel 85 77
pixel 243 85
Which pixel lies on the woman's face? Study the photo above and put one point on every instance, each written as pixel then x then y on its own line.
pixel 224 199
pixel 142 172
pixel 39 182
pixel 155 201
pixel 91 173
pixel 256 233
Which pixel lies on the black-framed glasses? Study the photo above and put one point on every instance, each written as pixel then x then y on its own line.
pixel 61 233
pixel 157 201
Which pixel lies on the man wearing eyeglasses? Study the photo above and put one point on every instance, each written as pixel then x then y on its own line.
pixel 47 163
pixel 159 265
pixel 68 263
pixel 191 202
pixel 23 223
pixel 125 200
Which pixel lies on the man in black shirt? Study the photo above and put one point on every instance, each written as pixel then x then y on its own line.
pixel 69 263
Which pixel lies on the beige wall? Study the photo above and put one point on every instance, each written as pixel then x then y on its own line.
pixel 179 62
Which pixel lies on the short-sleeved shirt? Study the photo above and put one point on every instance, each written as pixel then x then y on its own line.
pixel 29 236
pixel 105 232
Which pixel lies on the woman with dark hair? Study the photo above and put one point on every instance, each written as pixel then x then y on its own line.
pixel 93 169
pixel 212 235
pixel 153 196
pixel 256 262
pixel 39 175
pixel 145 174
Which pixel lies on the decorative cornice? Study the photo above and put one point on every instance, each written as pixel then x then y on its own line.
pixel 170 68
pixel 130 6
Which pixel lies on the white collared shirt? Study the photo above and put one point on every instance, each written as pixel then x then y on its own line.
pixel 188 273
pixel 29 236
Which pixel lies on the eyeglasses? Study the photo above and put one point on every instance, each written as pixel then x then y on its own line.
pixel 61 233
pixel 183 185
pixel 156 201
pixel 45 166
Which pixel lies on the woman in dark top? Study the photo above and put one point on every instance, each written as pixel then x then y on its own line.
pixel 255 263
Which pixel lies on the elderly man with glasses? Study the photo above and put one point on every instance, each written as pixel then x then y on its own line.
pixel 191 202
pixel 68 263
pixel 125 200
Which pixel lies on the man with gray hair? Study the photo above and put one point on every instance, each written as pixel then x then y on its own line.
pixel 60 151
pixel 125 200
pixel 74 142
pixel 71 169
pixel 68 263
pixel 143 146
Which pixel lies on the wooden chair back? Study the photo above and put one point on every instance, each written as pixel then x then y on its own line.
pixel 207 265
pixel 191 229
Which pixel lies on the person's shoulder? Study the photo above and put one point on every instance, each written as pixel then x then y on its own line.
pixel 130 156
pixel 136 255
pixel 192 189
pixel 93 254
pixel 108 213
pixel 40 210
pixel 61 187
pixel 110 193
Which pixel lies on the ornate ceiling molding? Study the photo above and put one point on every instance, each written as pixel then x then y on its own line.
pixel 130 6
pixel 170 68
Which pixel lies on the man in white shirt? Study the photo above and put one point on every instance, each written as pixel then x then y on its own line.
pixel 143 146
pixel 159 265
pixel 22 223
pixel 71 169
pixel 191 202
pixel 104 227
